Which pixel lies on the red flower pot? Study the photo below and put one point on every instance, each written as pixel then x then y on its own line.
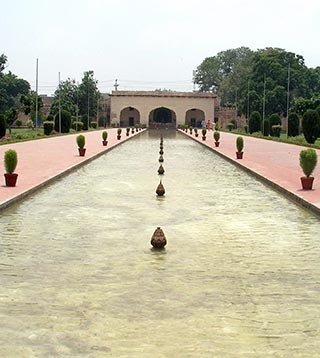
pixel 307 183
pixel 105 142
pixel 216 144
pixel 82 151
pixel 11 179
pixel 203 137
pixel 239 155
pixel 118 137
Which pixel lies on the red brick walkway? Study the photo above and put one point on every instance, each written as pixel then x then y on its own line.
pixel 274 162
pixel 41 161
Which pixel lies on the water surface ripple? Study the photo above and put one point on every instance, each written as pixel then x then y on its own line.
pixel 240 276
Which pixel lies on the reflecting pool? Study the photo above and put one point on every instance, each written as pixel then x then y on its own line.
pixel 240 276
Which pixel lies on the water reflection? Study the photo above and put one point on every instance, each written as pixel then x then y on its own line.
pixel 239 275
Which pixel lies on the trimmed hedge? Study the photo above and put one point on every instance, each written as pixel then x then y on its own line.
pixel 311 125
pixel 65 122
pixel 48 127
pixel 266 127
pixel 293 124
pixel 274 120
pixel 255 122
pixel 3 126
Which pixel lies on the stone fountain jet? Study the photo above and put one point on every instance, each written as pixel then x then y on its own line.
pixel 161 170
pixel 160 190
pixel 158 239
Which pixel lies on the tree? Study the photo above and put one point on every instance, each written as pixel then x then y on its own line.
pixel 311 125
pixel 88 96
pixel 222 73
pixel 293 124
pixel 255 122
pixel 3 126
pixel 66 96
pixel 11 115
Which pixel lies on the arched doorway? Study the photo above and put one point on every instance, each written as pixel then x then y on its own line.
pixel 162 117
pixel 129 117
pixel 194 117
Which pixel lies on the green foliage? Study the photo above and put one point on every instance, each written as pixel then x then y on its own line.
pixel 3 126
pixel 65 122
pixel 65 97
pixel 10 161
pixel 88 95
pixel 77 125
pixel 276 130
pixel 81 141
pixel 246 128
pixel 234 122
pixel 216 136
pixel 48 127
pixel 30 124
pixel 230 126
pixel 85 122
pixel 195 130
pixel 266 127
pixel 119 131
pixel 308 161
pixel 274 120
pixel 311 125
pixel 18 123
pixel 254 122
pixel 104 135
pixel 128 130
pixel 94 124
pixel 293 124
pixel 204 132
pixel 240 144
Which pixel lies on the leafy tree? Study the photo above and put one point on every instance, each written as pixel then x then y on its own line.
pixel 68 92
pixel 11 115
pixel 311 125
pixel 255 122
pixel 28 104
pixel 88 95
pixel 293 124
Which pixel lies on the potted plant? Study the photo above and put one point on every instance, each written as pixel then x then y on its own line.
pixel 104 137
pixel 204 133
pixel 308 161
pixel 119 130
pixel 81 141
pixel 127 131
pixel 10 164
pixel 132 130
pixel 190 129
pixel 216 136
pixel 196 132
pixel 240 146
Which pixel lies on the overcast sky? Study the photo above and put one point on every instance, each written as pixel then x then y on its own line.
pixel 146 44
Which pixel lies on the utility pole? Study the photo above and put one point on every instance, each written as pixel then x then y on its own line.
pixel 264 98
pixel 77 111
pixel 37 93
pixel 59 105
pixel 248 102
pixel 288 98
pixel 88 105
pixel 98 113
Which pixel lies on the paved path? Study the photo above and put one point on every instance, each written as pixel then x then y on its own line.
pixel 276 163
pixel 43 160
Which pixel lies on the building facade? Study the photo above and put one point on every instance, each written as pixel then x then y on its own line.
pixel 161 108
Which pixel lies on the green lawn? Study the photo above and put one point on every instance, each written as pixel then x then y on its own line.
pixel 25 134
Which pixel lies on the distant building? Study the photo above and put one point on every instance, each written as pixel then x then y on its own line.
pixel 161 108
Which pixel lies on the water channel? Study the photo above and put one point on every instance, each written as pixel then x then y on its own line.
pixel 239 276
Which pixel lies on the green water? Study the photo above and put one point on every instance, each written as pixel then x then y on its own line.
pixel 239 276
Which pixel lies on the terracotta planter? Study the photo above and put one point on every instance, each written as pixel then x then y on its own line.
pixel 307 183
pixel 216 144
pixel 127 134
pixel 203 137
pixel 197 134
pixel 239 155
pixel 105 142
pixel 11 179
pixel 118 137
pixel 82 151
